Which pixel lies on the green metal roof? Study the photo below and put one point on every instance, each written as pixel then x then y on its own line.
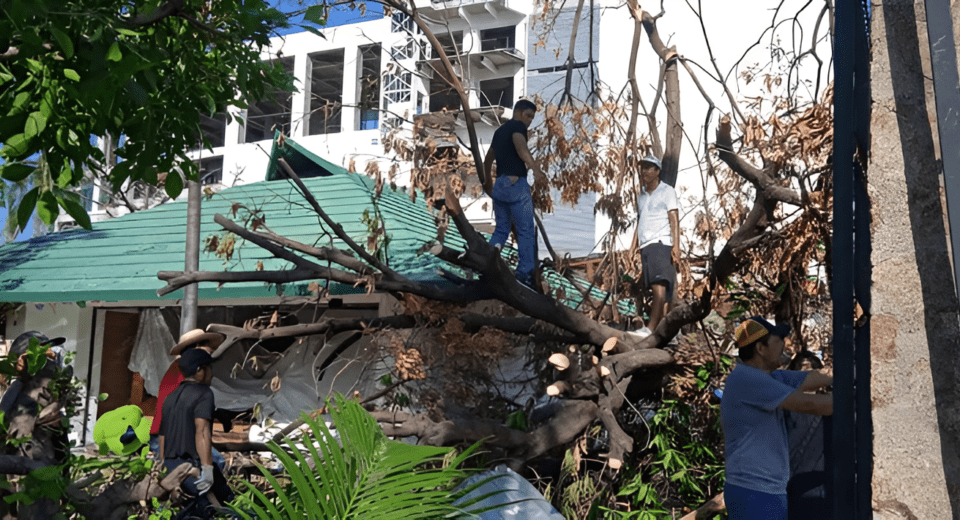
pixel 118 259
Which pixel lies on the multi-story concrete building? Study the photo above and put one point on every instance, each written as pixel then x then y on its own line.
pixel 364 79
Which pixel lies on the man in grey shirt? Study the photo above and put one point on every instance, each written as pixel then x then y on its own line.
pixel 757 450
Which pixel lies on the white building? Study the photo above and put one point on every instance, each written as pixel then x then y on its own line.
pixel 369 77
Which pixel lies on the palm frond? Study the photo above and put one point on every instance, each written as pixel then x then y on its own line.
pixel 356 472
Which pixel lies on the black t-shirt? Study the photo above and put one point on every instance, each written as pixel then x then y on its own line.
pixel 509 162
pixel 191 400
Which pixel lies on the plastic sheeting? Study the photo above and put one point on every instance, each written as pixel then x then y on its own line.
pixel 519 499
pixel 151 351
pixel 294 369
pixel 244 373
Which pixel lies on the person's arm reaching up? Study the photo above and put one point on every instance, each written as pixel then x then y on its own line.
pixel 814 404
pixel 815 381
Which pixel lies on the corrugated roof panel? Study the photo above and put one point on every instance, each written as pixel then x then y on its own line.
pixel 118 259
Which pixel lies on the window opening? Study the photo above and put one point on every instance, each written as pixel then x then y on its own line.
pixel 369 99
pixel 496 92
pixel 271 114
pixel 214 129
pixel 442 95
pixel 326 92
pixel 211 170
pixel 499 38
pixel 451 43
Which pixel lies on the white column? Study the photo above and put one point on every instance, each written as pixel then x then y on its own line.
pixel 351 88
pixel 233 140
pixel 300 109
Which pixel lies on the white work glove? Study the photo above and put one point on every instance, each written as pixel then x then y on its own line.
pixel 205 482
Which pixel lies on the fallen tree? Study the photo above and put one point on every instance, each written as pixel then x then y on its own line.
pixel 592 392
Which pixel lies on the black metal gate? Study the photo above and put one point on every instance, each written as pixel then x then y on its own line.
pixel 850 448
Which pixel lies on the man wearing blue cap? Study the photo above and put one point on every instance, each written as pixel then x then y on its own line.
pixel 186 430
pixel 658 233
pixel 756 393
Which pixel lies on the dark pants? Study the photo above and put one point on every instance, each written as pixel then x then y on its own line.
pixel 658 268
pixel 746 504
pixel 201 507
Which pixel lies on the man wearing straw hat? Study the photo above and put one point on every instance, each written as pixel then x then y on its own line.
pixel 196 338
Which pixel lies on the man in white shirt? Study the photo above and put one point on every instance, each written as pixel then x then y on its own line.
pixel 658 233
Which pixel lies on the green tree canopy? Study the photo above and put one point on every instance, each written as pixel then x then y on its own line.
pixel 146 70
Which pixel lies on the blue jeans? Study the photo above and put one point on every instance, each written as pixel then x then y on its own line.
pixel 746 504
pixel 513 204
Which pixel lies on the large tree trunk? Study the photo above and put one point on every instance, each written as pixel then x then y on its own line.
pixel 914 379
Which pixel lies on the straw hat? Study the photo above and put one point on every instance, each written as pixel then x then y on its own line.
pixel 194 336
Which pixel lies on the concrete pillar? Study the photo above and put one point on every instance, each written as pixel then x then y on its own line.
pixel 300 104
pixel 915 331
pixel 352 66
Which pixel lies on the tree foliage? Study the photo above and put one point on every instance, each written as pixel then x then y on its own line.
pixel 143 72
pixel 355 471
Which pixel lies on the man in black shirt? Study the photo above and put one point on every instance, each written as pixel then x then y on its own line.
pixel 186 429
pixel 512 202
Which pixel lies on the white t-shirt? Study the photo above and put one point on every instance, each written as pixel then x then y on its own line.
pixel 654 224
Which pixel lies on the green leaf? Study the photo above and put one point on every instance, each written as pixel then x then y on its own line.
pixel 19 101
pixel 127 32
pixel 16 172
pixel 65 44
pixel 517 420
pixel 114 53
pixel 36 122
pixel 46 104
pixel 71 74
pixel 316 14
pixel 173 185
pixel 65 176
pixel 103 397
pixel 211 104
pixel 47 208
pixel 27 205
pixel 16 146
pixel 75 210
pixel 314 30
pixel 36 360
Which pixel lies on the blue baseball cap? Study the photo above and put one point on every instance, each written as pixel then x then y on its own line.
pixel 652 160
